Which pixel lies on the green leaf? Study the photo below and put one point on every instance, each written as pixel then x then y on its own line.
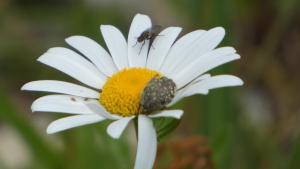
pixel 164 126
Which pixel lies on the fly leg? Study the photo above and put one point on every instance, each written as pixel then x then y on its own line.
pixel 142 47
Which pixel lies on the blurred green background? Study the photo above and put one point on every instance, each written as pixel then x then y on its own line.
pixel 253 126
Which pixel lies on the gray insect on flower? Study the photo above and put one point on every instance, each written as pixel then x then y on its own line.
pixel 157 94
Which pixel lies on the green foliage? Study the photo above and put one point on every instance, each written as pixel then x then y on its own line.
pixel 165 126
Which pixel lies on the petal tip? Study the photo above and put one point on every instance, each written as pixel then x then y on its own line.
pixel 50 130
pixel 180 114
pixel 74 38
pixel 240 82
pixel 237 56
pixel 70 40
pixel 36 104
pixel 112 134
pixel 33 107
pixel 220 28
pixel 107 29
pixel 43 57
pixel 24 87
pixel 219 31
pixel 102 27
pixel 105 26
pixel 139 15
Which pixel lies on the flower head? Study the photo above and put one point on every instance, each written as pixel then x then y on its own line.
pixel 133 80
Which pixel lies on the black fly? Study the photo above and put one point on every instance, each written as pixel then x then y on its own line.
pixel 148 34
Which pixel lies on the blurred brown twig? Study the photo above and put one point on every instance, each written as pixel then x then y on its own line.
pixel 192 152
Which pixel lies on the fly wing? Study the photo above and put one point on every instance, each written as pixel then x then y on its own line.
pixel 155 29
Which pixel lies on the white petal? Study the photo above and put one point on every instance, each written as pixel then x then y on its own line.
pixel 116 44
pixel 198 79
pixel 192 90
pixel 202 77
pixel 217 82
pixel 68 53
pixel 178 50
pixel 202 45
pixel 161 46
pixel 62 104
pixel 200 66
pixel 95 107
pixel 182 94
pixel 168 113
pixel 116 128
pixel 73 65
pixel 203 86
pixel 147 144
pixel 73 121
pixel 94 52
pixel 137 52
pixel 60 87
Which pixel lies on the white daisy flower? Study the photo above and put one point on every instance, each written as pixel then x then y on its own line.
pixel 133 80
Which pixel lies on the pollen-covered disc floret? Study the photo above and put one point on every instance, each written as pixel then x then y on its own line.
pixel 122 93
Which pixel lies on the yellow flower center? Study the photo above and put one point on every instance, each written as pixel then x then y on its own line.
pixel 121 94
